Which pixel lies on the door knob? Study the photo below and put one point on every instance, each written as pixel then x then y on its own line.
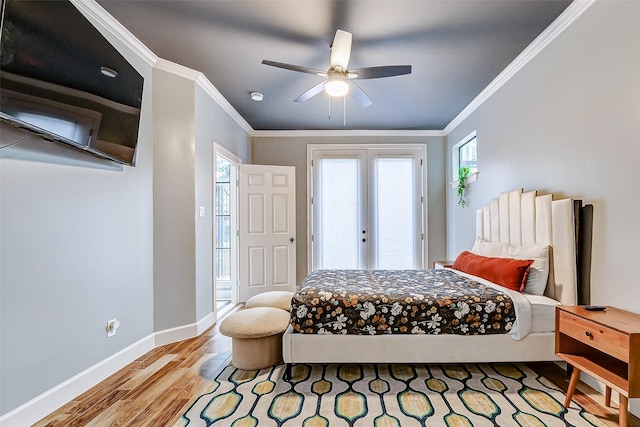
pixel 291 240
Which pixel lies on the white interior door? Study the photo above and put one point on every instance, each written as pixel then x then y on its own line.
pixel 267 229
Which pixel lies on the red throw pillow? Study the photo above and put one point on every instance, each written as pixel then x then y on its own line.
pixel 508 272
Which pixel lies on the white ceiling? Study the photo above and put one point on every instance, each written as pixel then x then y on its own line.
pixel 456 48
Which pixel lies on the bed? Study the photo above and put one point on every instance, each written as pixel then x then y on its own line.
pixel 514 219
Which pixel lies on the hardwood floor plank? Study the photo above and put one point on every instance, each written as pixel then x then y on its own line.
pixel 90 412
pixel 144 374
pixel 169 410
pixel 157 388
pixel 119 414
pixel 59 421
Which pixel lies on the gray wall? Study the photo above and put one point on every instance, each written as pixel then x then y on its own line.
pixel 292 151
pixel 174 200
pixel 212 125
pixel 76 250
pixel 186 123
pixel 84 241
pixel 569 123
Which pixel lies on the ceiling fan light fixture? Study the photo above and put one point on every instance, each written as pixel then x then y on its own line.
pixel 337 86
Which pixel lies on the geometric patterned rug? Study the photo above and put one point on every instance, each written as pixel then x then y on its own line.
pixel 498 394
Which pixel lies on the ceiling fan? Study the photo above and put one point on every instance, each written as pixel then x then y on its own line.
pixel 338 76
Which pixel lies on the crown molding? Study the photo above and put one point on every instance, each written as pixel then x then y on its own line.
pixel 344 133
pixel 208 87
pixel 214 93
pixel 90 8
pixel 177 69
pixel 566 18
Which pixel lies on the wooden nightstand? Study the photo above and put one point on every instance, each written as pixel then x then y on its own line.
pixel 442 264
pixel 605 345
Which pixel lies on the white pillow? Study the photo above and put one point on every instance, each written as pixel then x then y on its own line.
pixel 539 272
pixel 487 248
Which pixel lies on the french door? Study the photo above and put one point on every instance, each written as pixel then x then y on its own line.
pixel 367 207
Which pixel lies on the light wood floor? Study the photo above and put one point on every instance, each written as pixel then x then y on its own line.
pixel 157 388
pixel 154 390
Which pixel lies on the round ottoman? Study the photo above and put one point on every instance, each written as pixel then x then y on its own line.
pixel 277 299
pixel 256 336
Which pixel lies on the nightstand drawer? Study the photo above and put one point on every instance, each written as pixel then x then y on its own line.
pixel 595 335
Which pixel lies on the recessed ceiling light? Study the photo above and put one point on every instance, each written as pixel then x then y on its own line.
pixel 257 96
pixel 109 72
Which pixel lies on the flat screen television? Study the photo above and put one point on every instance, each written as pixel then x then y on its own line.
pixel 61 79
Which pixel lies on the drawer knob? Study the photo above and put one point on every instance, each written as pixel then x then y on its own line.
pixel 587 333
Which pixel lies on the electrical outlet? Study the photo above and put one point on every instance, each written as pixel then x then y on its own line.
pixel 112 326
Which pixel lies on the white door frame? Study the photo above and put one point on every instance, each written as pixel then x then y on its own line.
pixel 338 147
pixel 219 150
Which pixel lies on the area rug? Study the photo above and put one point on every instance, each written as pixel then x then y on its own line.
pixel 385 396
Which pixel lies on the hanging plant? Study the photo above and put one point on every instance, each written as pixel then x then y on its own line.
pixel 463 173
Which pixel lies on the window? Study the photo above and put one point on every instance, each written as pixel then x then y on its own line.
pixel 225 244
pixel 465 154
pixel 468 155
pixel 223 219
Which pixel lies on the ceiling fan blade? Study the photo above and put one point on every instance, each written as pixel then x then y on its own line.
pixel 358 94
pixel 292 67
pixel 311 92
pixel 379 72
pixel 341 50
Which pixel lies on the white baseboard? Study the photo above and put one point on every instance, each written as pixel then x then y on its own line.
pixel 47 402
pixel 42 405
pixel 205 323
pixel 184 332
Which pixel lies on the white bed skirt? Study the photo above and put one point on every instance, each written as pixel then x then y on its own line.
pixel 407 348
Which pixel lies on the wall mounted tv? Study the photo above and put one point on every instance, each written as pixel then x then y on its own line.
pixel 60 78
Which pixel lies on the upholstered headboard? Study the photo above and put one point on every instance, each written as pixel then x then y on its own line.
pixel 524 218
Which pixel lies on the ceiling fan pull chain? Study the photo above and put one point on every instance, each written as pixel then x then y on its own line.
pixel 329 108
pixel 344 109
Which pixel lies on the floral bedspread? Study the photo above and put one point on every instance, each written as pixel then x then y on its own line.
pixel 373 302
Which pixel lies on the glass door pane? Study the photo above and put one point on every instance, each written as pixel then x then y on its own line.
pixel 394 213
pixel 337 213
pixel 223 233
